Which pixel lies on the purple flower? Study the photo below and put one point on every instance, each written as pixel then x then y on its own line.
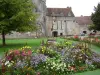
pixel 36 59
pixel 88 62
pixel 20 64
pixel 96 59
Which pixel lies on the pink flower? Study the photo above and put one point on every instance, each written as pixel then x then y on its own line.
pixel 38 73
pixel 23 53
pixel 9 58
pixel 16 52
pixel 29 52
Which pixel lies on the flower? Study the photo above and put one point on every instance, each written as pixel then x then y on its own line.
pixel 20 64
pixel 9 58
pixel 7 62
pixel 16 52
pixel 71 68
pixel 29 52
pixel 75 36
pixel 36 59
pixel 38 73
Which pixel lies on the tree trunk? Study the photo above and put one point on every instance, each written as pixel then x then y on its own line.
pixel 3 38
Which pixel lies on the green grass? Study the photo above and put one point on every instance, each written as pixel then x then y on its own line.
pixel 95 72
pixel 95 49
pixel 18 43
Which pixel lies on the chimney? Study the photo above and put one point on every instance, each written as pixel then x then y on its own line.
pixel 69 7
pixel 82 16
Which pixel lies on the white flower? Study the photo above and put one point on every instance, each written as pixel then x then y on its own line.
pixel 68 65
pixel 64 65
pixel 7 62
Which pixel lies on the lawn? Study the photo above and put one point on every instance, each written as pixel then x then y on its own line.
pixel 18 43
pixel 95 72
pixel 34 43
pixel 95 48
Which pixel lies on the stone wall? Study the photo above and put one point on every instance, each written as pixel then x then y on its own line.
pixel 64 25
pixel 41 11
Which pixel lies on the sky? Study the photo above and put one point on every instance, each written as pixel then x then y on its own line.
pixel 79 7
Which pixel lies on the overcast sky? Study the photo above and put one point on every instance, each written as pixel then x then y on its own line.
pixel 79 7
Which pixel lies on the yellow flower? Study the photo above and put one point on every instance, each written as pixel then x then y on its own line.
pixel 29 68
pixel 25 66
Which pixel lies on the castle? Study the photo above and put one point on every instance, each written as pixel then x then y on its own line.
pixel 61 21
pixel 56 22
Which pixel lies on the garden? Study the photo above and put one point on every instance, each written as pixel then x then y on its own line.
pixel 55 56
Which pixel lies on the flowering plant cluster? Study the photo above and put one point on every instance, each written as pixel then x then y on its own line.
pixel 90 40
pixel 17 62
pixel 64 44
pixel 47 60
pixel 47 51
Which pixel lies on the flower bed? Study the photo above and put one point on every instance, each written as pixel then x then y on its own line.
pixel 64 58
pixel 94 41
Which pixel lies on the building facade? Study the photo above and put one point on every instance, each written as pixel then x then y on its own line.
pixel 55 22
pixel 61 22
pixel 84 22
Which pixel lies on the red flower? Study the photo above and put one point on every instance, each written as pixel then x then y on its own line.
pixel 75 36
pixel 38 73
pixel 16 52
pixel 96 39
pixel 29 52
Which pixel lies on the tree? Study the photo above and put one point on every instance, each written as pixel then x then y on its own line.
pixel 91 27
pixel 16 15
pixel 96 18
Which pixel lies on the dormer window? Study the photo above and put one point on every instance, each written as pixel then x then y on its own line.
pixel 69 14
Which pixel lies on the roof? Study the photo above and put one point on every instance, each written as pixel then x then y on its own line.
pixel 84 20
pixel 59 12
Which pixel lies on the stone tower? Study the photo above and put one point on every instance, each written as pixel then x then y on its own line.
pixel 41 11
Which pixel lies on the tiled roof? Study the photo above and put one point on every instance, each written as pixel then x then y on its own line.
pixel 59 11
pixel 84 20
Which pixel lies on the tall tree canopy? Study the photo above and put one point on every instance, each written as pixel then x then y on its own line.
pixel 16 15
pixel 96 18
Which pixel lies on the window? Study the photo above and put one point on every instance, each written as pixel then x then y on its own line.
pixel 69 14
pixel 85 32
pixel 60 24
pixel 61 34
pixel 55 25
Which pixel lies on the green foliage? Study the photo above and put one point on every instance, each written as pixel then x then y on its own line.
pixel 91 27
pixel 96 17
pixel 17 15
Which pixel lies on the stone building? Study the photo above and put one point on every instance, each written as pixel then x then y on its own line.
pixel 84 22
pixel 61 22
pixel 41 11
pixel 55 22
